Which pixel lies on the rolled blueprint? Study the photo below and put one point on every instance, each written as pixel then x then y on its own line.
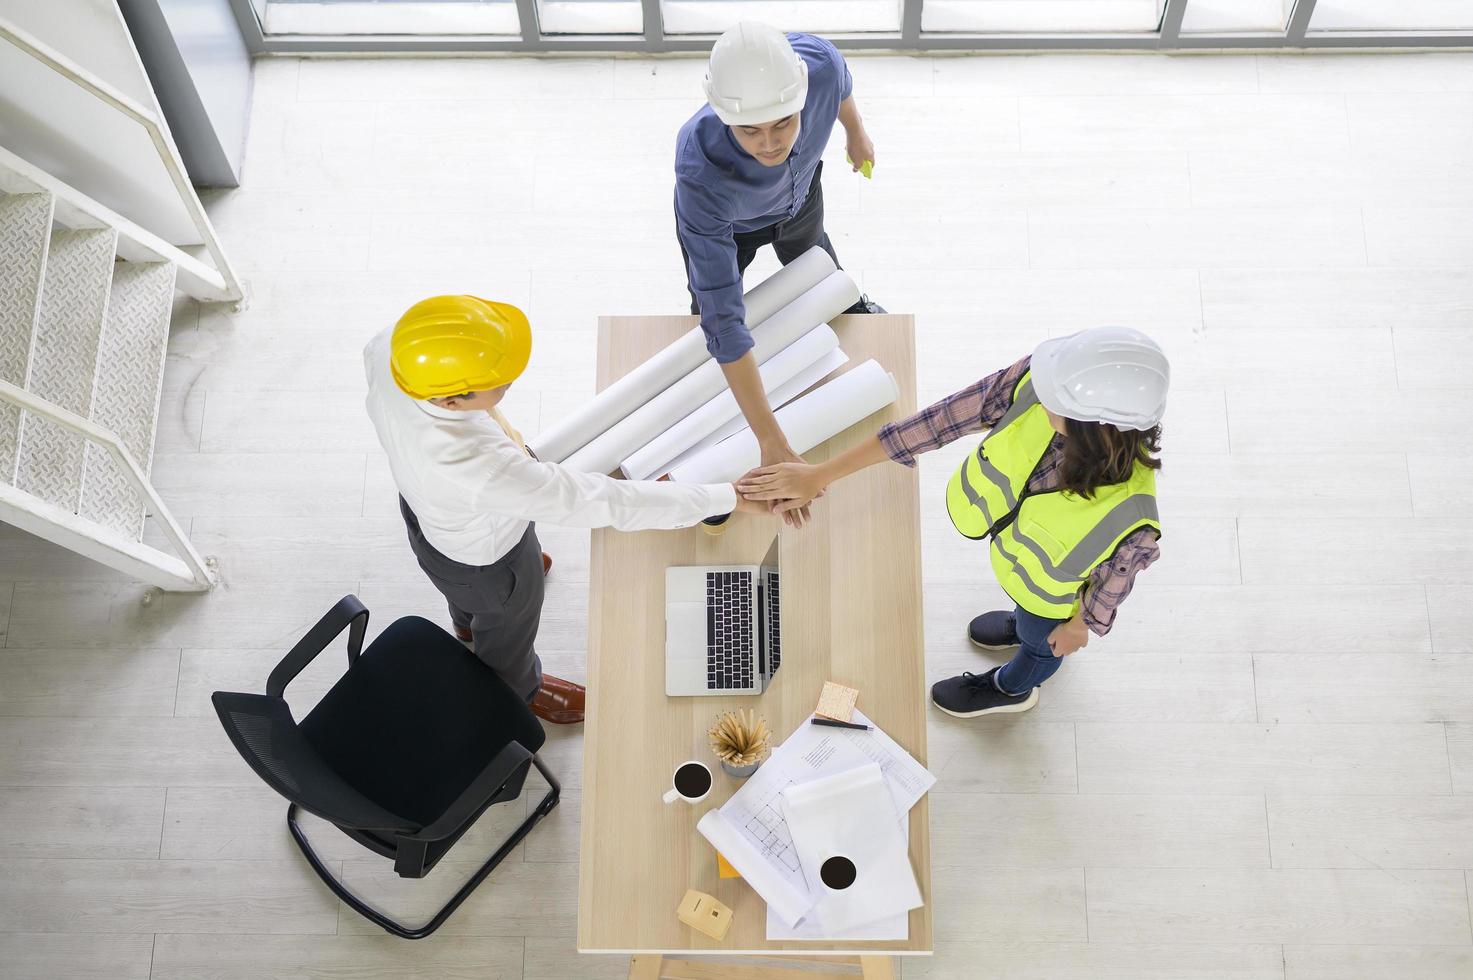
pixel 777 398
pixel 818 305
pixel 778 370
pixel 667 366
pixel 785 893
pixel 817 416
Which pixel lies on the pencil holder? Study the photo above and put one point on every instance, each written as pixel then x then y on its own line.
pixel 740 740
pixel 739 772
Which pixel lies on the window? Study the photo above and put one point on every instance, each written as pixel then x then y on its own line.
pixel 590 16
pixel 1392 15
pixel 391 17
pixel 834 16
pixel 1236 16
pixel 1042 16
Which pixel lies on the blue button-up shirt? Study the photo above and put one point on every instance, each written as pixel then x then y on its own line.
pixel 721 190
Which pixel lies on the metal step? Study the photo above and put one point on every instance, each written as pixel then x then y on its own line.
pixel 130 381
pixel 25 230
pixel 74 293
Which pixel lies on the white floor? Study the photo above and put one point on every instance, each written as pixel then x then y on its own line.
pixel 1265 772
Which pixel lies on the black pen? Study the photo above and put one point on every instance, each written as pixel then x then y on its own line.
pixel 835 723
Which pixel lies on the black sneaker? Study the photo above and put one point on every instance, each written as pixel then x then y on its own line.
pixel 973 695
pixel 994 631
pixel 866 305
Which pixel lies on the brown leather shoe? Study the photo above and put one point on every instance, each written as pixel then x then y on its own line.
pixel 463 634
pixel 546 563
pixel 559 702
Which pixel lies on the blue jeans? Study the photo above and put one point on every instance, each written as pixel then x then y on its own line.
pixel 1034 662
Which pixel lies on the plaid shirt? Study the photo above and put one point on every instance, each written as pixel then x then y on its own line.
pixel 981 406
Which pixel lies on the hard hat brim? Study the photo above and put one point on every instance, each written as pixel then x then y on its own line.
pixel 1046 385
pixel 758 117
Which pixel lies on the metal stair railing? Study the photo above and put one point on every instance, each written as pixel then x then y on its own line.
pixel 187 573
pixel 223 285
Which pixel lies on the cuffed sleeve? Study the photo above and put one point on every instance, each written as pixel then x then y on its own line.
pixel 532 490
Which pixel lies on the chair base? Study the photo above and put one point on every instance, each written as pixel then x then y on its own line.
pixel 399 929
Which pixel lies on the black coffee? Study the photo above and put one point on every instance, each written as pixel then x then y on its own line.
pixel 838 873
pixel 692 780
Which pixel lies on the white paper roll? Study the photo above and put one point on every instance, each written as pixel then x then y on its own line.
pixel 667 366
pixel 779 369
pixel 819 415
pixel 836 293
pixel 777 398
pixel 787 284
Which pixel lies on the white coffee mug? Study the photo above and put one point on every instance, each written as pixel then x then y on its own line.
pixel 692 783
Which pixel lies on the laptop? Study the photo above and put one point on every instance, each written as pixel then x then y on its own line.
pixel 722 628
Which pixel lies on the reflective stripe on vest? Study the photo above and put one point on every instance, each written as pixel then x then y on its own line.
pixel 980 493
pixel 1045 545
pixel 1125 516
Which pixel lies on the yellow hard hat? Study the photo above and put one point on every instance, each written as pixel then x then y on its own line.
pixel 450 345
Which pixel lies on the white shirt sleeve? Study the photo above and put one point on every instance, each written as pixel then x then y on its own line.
pixel 532 490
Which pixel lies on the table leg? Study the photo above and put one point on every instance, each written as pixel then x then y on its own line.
pixel 645 967
pixel 877 967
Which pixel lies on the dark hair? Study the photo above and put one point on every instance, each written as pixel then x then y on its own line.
pixel 1097 454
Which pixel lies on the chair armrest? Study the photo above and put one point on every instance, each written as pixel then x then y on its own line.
pixel 348 611
pixel 500 769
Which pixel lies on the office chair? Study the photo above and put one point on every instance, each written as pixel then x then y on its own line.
pixel 407 750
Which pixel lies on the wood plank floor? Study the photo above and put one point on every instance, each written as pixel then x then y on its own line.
pixel 1264 773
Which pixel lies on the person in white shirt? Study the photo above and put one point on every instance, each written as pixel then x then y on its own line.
pixel 470 491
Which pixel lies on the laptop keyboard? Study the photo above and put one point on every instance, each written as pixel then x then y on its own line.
pixel 774 649
pixel 729 657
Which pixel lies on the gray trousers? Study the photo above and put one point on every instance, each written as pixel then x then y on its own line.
pixel 500 603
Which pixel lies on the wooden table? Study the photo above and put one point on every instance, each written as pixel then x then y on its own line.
pixel 851 613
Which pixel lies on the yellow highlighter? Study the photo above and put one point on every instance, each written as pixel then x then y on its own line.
pixel 867 167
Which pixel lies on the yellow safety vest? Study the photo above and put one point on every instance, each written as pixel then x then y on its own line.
pixel 1044 545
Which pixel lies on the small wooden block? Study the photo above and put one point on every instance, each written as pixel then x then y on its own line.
pixel 836 701
pixel 704 914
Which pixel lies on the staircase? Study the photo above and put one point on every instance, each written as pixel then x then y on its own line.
pixel 85 304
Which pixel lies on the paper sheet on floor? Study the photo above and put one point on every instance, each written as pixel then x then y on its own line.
pixel 675 361
pixel 751 832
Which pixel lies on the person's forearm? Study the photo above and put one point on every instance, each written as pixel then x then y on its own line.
pixel 746 385
pixel 864 455
pixel 849 117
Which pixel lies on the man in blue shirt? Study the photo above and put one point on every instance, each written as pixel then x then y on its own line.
pixel 747 172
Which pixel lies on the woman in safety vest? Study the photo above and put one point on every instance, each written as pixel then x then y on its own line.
pixel 1064 485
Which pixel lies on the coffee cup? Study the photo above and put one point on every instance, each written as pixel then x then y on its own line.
pixel 838 873
pixel 691 783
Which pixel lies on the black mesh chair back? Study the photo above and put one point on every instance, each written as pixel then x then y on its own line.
pixel 411 745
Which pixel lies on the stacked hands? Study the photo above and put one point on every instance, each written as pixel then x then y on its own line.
pixel 784 484
pixel 787 488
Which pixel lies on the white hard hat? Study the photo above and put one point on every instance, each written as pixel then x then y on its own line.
pixel 755 76
pixel 1104 374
